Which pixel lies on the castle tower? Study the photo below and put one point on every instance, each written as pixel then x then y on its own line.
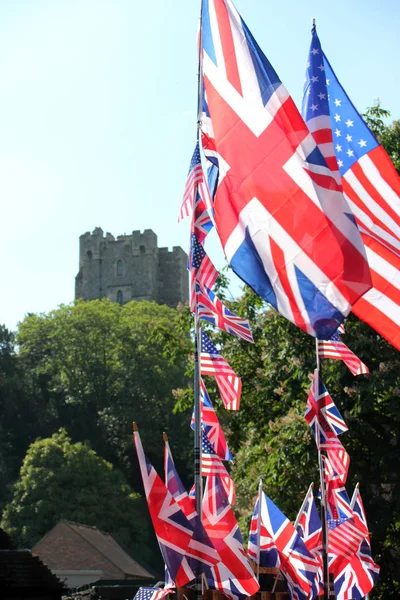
pixel 130 267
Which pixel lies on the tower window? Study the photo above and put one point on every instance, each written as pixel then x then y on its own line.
pixel 89 254
pixel 142 250
pixel 120 297
pixel 120 267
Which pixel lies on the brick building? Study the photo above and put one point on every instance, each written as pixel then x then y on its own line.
pixel 130 267
pixel 78 555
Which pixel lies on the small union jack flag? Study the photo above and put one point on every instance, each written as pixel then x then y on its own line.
pixel 233 576
pixel 211 425
pixel 210 308
pixel 195 184
pixel 320 403
pixel 337 350
pixel 213 364
pixel 261 547
pixel 308 525
pixel 173 530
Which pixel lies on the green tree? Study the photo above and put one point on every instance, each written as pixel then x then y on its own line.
pixel 62 480
pixel 387 134
pixel 96 366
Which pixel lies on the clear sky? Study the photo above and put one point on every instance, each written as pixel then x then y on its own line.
pixel 98 117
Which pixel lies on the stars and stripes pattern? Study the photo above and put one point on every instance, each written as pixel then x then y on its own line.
pixel 337 350
pixel 280 215
pixel 233 576
pixel 211 425
pixel 261 547
pixel 149 593
pixel 202 270
pixel 370 183
pixel 298 566
pixel 214 365
pixel 173 530
pixel 211 464
pixel 211 309
pixel 195 184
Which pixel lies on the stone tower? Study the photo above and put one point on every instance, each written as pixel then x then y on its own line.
pixel 130 267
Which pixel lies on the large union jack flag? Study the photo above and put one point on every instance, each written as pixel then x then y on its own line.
pixel 371 186
pixel 233 576
pixel 284 224
pixel 173 530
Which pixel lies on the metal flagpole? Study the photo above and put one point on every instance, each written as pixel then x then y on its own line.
pixel 198 482
pixel 325 564
pixel 259 529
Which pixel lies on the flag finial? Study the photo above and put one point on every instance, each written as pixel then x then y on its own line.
pixel 165 437
pixel 135 427
pixel 313 21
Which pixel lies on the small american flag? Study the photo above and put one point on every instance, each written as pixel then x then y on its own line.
pixel 195 183
pixel 211 464
pixel 202 271
pixel 211 309
pixel 337 350
pixel 148 593
pixel 213 364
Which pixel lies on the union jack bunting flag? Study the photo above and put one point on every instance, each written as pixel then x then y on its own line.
pixel 210 308
pixel 149 593
pixel 202 270
pixel 371 186
pixel 200 551
pixel 233 576
pixel 173 530
pixel 281 217
pixel 320 403
pixel 213 364
pixel 337 350
pixel 359 576
pixel 195 184
pixel 211 464
pixel 308 525
pixel 261 547
pixel 298 566
pixel 211 425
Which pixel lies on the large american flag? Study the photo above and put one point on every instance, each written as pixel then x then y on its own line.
pixel 195 184
pixel 233 576
pixel 337 350
pixel 280 215
pixel 371 186
pixel 213 364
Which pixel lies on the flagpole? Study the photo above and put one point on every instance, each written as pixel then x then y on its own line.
pixel 325 542
pixel 198 482
pixel 259 529
pixel 303 505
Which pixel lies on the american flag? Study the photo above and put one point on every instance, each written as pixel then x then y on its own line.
pixel 261 547
pixel 210 308
pixel 280 215
pixel 202 270
pixel 211 425
pixel 200 551
pixel 233 576
pixel 148 593
pixel 195 184
pixel 213 364
pixel 337 350
pixel 173 530
pixel 308 525
pixel 211 464
pixel 297 564
pixel 371 186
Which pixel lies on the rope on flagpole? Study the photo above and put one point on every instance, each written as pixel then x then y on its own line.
pixel 325 540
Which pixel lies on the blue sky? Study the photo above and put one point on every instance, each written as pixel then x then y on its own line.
pixel 98 117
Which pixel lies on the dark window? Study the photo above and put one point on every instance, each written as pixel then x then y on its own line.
pixel 120 297
pixel 142 250
pixel 120 267
pixel 89 254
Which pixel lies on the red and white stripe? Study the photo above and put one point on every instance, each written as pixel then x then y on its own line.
pixel 229 384
pixel 205 275
pixel 321 130
pixel 337 350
